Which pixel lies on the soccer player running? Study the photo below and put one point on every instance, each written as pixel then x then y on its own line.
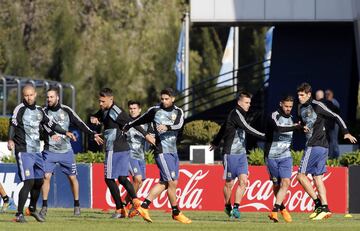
pixel 59 151
pixel 117 157
pixel 137 145
pixel 24 138
pixel 279 133
pixel 313 114
pixel 6 199
pixel 235 161
pixel 167 119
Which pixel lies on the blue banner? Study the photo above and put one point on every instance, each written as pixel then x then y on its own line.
pixel 180 62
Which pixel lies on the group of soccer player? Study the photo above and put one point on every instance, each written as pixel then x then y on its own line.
pixel 278 138
pixel 126 134
pixel 125 137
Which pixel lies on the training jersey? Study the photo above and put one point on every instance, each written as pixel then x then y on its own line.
pixel 25 126
pixel 114 120
pixel 279 134
pixel 65 117
pixel 172 117
pixel 137 142
pixel 313 114
pixel 233 133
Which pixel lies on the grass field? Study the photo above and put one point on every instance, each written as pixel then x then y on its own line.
pixel 94 220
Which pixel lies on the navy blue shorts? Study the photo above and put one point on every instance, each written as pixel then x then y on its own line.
pixel 314 161
pixel 137 167
pixel 65 160
pixel 168 164
pixel 116 164
pixel 30 165
pixel 279 168
pixel 234 165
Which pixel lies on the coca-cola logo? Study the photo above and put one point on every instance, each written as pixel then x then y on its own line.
pixel 189 196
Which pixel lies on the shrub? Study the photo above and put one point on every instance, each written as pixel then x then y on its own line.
pixel 200 131
pixel 350 158
pixel 256 157
pixel 150 157
pixel 8 159
pixel 296 156
pixel 4 127
pixel 90 157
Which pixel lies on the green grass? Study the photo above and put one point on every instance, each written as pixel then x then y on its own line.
pixel 94 220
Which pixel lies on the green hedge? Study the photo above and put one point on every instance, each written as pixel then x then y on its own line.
pixel 4 127
pixel 200 132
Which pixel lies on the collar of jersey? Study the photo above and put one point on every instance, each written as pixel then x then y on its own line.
pixel 55 108
pixel 167 109
pixel 32 107
pixel 281 112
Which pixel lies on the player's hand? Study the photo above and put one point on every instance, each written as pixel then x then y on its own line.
pixel 11 145
pixel 150 139
pixel 55 138
pixel 71 136
pixel 306 129
pixel 212 147
pixel 161 128
pixel 351 138
pixel 98 139
pixel 94 120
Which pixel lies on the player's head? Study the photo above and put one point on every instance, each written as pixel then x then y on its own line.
pixel 244 100
pixel 134 108
pixel 286 104
pixel 106 98
pixel 167 97
pixel 29 94
pixel 304 92
pixel 52 97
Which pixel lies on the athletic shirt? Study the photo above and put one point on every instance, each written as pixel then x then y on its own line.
pixel 233 133
pixel 279 133
pixel 65 117
pixel 172 117
pixel 313 114
pixel 25 125
pixel 137 142
pixel 114 120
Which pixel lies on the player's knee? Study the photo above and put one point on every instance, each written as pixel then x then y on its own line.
pixel 285 182
pixel 300 176
pixel 242 183
pixel 47 176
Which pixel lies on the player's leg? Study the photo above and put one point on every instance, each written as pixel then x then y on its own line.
pixel 307 166
pixel 285 172
pixel 322 154
pixel 273 169
pixel 110 170
pixel 241 171
pixel 68 167
pixel 49 166
pixel 6 199
pixel 228 185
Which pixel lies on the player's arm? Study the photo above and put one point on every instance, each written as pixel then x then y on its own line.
pixel 96 118
pixel 179 121
pixel 216 141
pixel 14 122
pixel 275 124
pixel 238 119
pixel 147 117
pixel 325 111
pixel 55 126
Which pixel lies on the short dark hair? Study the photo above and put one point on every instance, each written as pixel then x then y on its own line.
pixel 287 98
pixel 131 102
pixel 55 89
pixel 168 91
pixel 305 87
pixel 243 94
pixel 106 92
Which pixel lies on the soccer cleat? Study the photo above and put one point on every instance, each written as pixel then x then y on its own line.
pixel 273 216
pixel 181 218
pixel 77 211
pixel 136 203
pixel 4 207
pixel 315 213
pixel 120 213
pixel 144 213
pixel 227 211
pixel 20 218
pixel 324 214
pixel 235 213
pixel 43 211
pixel 286 215
pixel 37 216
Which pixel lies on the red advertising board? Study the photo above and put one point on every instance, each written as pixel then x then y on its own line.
pixel 201 188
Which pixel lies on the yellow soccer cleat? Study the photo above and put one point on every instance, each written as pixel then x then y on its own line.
pixel 273 216
pixel 322 215
pixel 315 213
pixel 286 215
pixel 181 218
pixel 144 213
